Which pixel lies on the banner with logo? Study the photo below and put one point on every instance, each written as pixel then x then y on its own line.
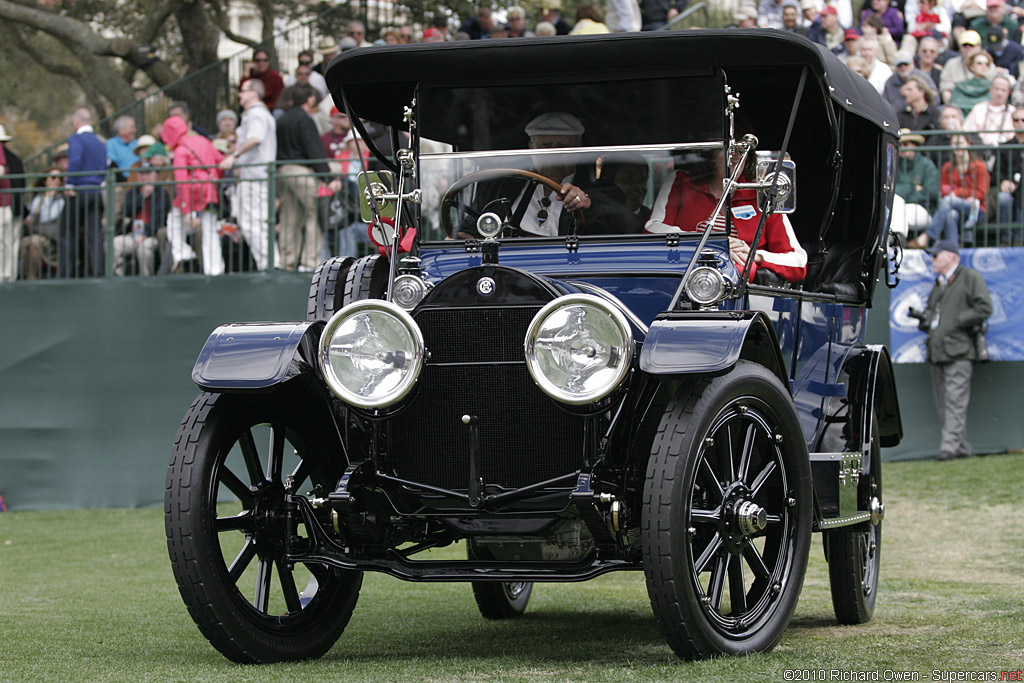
pixel 1003 270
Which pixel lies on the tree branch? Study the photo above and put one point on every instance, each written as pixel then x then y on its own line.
pixel 220 18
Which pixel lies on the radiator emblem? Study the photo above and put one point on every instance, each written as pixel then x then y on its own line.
pixel 485 286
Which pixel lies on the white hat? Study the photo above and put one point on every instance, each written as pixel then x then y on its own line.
pixel 3 134
pixel 555 123
pixel 145 141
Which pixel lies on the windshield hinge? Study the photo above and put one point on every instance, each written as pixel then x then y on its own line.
pixel 572 243
pixel 472 246
pixel 672 240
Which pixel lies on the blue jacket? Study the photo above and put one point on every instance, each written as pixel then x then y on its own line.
pixel 86 153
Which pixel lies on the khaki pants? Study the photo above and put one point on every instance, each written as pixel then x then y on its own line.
pixel 300 237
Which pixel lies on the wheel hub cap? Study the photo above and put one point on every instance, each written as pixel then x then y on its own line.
pixel 751 518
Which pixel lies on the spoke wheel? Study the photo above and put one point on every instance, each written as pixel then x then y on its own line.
pixel 503 600
pixel 854 553
pixel 727 518
pixel 235 461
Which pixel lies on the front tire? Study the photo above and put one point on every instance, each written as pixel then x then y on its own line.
pixel 727 515
pixel 236 459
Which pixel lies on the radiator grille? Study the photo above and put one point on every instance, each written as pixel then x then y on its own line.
pixel 524 437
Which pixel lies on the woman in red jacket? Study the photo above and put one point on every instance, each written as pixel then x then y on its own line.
pixel 685 205
pixel 964 185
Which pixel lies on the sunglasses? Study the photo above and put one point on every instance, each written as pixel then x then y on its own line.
pixel 542 215
pixel 1018 120
pixel 261 59
pixel 306 62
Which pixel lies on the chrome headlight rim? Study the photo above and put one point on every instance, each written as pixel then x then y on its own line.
pixel 720 281
pixel 418 355
pixel 556 392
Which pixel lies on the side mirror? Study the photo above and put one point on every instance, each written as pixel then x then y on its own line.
pixel 377 184
pixel 785 197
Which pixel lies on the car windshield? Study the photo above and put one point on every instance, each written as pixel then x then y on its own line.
pixel 622 186
pixel 505 151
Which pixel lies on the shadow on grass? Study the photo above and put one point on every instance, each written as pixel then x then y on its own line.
pixel 565 637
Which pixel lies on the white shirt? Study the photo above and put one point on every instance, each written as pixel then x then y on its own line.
pixel 530 222
pixel 983 116
pixel 257 124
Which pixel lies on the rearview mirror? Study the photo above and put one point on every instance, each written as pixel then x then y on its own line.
pixel 377 184
pixel 785 197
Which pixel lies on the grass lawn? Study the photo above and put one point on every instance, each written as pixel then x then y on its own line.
pixel 88 595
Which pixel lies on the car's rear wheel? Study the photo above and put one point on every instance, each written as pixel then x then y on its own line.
pixel 854 553
pixel 236 459
pixel 499 600
pixel 727 516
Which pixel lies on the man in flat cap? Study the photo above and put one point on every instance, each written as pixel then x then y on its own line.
pixel 957 306
pixel 537 209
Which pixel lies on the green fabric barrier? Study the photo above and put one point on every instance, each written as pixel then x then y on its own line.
pixel 95 376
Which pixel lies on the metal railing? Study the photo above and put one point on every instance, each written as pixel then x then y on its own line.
pixel 290 219
pixel 995 220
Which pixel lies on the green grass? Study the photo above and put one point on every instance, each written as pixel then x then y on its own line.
pixel 88 595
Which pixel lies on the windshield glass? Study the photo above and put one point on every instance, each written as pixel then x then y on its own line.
pixel 620 190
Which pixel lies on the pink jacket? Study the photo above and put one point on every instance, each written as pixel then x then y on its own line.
pixel 192 150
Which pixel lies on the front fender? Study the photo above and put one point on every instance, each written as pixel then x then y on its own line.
pixel 256 356
pixel 710 342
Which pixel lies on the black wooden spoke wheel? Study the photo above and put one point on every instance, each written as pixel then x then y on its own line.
pixel 498 600
pixel 727 517
pixel 854 553
pixel 236 459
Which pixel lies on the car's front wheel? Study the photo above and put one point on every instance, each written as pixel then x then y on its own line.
pixel 727 516
pixel 236 459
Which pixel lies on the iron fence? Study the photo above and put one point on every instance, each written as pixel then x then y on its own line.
pixel 184 220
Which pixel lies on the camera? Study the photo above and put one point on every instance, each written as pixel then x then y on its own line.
pixel 920 316
pixel 981 341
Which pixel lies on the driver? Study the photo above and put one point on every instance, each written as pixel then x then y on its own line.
pixel 686 204
pixel 543 212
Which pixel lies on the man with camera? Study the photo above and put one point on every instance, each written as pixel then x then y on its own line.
pixel 958 307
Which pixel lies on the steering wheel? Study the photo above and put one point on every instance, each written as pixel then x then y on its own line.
pixel 450 199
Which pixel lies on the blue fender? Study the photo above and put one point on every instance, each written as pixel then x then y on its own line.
pixel 256 356
pixel 710 342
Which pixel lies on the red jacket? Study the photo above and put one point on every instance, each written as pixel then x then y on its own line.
pixel 686 207
pixel 970 184
pixel 191 150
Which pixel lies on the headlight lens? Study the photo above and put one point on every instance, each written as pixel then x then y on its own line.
pixel 706 286
pixel 371 353
pixel 579 348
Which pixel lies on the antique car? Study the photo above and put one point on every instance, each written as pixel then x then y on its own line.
pixel 532 371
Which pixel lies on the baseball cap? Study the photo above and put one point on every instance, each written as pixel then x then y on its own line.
pixel 994 3
pixel 555 123
pixel 944 245
pixel 851 34
pixel 970 38
pixel 829 9
pixel 902 57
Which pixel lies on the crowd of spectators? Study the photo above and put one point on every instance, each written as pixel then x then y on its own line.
pixel 187 199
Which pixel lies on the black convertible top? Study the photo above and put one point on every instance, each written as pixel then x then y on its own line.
pixel 378 82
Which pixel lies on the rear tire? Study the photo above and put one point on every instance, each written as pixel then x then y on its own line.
pixel 499 600
pixel 854 553
pixel 727 515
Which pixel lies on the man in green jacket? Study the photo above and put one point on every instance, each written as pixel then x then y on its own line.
pixel 958 304
pixel 917 182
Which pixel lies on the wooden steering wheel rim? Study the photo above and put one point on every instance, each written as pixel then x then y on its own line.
pixel 448 200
